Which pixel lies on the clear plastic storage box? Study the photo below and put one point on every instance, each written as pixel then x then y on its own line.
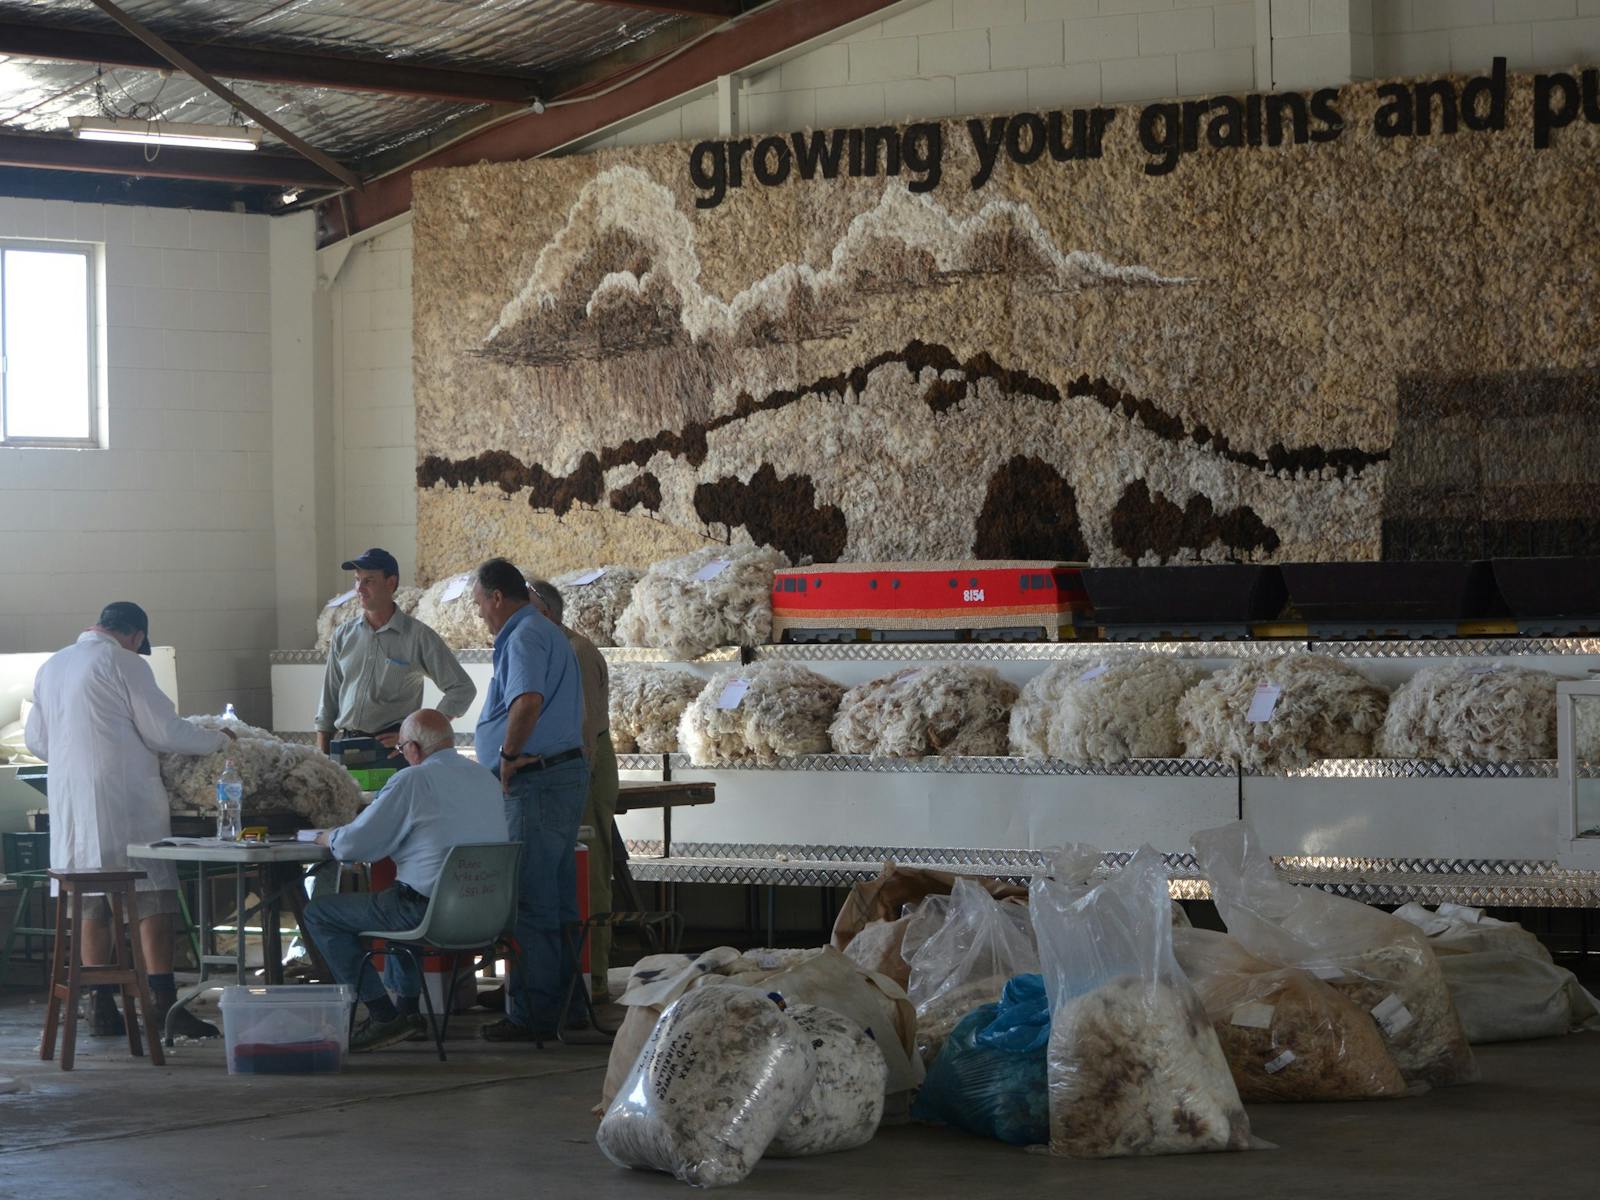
pixel 295 1029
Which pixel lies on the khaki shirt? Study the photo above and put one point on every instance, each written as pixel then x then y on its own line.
pixel 374 676
pixel 596 677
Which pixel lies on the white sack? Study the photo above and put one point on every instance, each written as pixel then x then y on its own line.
pixel 455 620
pixel 1326 709
pixel 1103 712
pixel 646 704
pixel 1460 714
pixel 592 608
pixel 721 1073
pixel 673 610
pixel 1506 997
pixel 278 776
pixel 950 709
pixel 845 1104
pixel 785 711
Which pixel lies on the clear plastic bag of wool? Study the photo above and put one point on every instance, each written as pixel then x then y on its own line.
pixel 1286 1034
pixel 1107 712
pixel 1134 1066
pixel 724 1068
pixel 1383 964
pixel 965 963
pixel 594 599
pixel 715 596
pixel 447 608
pixel 759 714
pixel 991 1078
pixel 845 1104
pixel 646 703
pixel 949 709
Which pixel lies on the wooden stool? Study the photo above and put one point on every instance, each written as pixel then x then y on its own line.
pixel 68 977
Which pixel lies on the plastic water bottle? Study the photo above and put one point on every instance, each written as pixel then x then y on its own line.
pixel 230 803
pixel 228 713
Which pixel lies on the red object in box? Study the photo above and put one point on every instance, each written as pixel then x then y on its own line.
pixel 936 596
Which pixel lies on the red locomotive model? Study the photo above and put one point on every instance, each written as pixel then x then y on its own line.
pixel 954 601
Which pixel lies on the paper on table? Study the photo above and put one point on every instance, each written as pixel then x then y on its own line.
pixel 340 599
pixel 455 587
pixel 712 569
pixel 1264 703
pixel 587 577
pixel 308 835
pixel 733 694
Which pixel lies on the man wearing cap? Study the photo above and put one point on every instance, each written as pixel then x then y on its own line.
pixel 377 662
pixel 99 720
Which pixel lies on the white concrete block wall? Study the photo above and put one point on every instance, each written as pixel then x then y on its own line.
pixel 1425 37
pixel 176 511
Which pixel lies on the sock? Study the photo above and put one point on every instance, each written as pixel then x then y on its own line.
pixel 163 983
pixel 408 1006
pixel 382 1010
pixel 105 991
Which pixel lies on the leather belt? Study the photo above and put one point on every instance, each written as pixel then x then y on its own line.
pixel 409 892
pixel 542 761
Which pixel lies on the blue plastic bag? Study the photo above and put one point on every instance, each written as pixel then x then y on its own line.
pixel 991 1079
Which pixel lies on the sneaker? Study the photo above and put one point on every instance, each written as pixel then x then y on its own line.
pixel 186 1025
pixel 375 1035
pixel 510 1031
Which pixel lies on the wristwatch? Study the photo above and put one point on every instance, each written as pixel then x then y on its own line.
pixel 508 757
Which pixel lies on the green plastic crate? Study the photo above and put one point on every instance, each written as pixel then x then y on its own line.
pixel 371 779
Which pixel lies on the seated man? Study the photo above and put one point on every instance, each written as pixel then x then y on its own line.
pixel 441 800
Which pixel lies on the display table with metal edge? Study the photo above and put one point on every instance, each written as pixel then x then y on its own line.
pixel 274 862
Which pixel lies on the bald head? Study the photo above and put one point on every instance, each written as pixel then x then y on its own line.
pixel 429 729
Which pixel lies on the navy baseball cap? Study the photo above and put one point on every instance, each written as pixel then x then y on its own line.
pixel 373 560
pixel 124 616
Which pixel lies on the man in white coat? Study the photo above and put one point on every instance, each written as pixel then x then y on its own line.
pixel 99 720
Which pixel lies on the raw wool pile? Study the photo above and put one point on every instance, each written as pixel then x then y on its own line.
pixel 1402 985
pixel 1458 714
pixel 1285 1033
pixel 944 710
pixel 329 619
pixel 1586 728
pixel 845 1104
pixel 1106 713
pixel 723 1070
pixel 278 776
pixel 1136 1069
pixel 878 948
pixel 456 620
pixel 673 610
pixel 937 1019
pixel 1326 709
pixel 647 702
pixel 593 606
pixel 784 712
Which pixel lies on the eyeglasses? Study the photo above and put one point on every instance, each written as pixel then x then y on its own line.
pixel 401 746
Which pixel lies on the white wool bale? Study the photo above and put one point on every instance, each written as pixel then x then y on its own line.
pixel 1325 709
pixel 329 619
pixel 1105 712
pixel 781 710
pixel 646 703
pixel 594 602
pixel 673 610
pixel 456 619
pixel 722 1071
pixel 946 710
pixel 845 1104
pixel 278 776
pixel 1463 713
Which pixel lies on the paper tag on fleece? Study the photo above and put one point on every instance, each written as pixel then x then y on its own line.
pixel 712 569
pixel 1264 703
pixel 1254 1015
pixel 1391 1014
pixel 455 587
pixel 1094 672
pixel 1279 1063
pixel 733 694
pixel 341 598
pixel 587 577
pixel 1324 970
pixel 1483 669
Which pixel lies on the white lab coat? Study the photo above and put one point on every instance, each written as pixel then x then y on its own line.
pixel 98 720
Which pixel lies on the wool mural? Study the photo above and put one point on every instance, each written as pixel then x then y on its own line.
pixel 1353 324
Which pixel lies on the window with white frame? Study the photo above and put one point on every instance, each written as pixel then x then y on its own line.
pixel 48 374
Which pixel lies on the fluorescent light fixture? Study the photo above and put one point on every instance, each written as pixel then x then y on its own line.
pixel 165 133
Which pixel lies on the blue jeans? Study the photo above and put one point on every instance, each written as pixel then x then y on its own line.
pixel 543 811
pixel 333 922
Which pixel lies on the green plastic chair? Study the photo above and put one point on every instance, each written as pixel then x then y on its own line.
pixel 473 906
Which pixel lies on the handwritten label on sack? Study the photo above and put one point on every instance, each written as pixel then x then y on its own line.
pixel 712 569
pixel 1254 1015
pixel 341 598
pixel 455 587
pixel 587 577
pixel 1094 672
pixel 1264 703
pixel 1279 1063
pixel 733 693
pixel 1391 1014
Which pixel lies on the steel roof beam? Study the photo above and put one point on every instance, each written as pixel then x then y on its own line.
pixel 113 158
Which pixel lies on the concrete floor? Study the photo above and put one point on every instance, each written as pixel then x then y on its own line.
pixel 515 1121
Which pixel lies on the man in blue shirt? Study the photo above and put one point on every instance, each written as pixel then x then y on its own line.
pixel 440 801
pixel 530 733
